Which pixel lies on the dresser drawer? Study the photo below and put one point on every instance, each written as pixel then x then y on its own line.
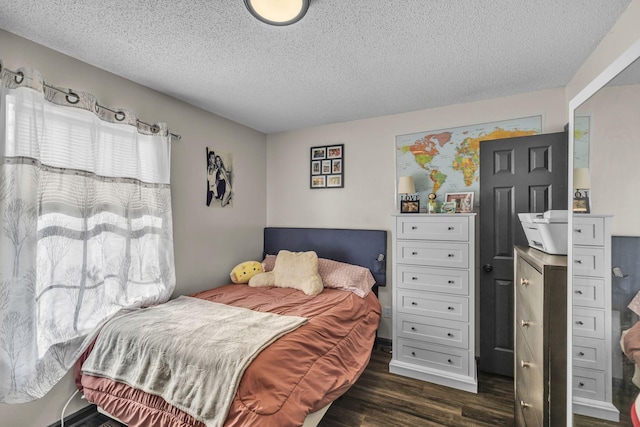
pixel 433 279
pixel 588 231
pixel 531 330
pixel 529 378
pixel 588 323
pixel 436 227
pixel 525 413
pixel 435 305
pixel 430 329
pixel 588 292
pixel 433 356
pixel 588 353
pixel 588 384
pixel 434 254
pixel 588 261
pixel 530 291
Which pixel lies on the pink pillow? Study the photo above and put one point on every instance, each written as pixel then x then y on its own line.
pixel 337 275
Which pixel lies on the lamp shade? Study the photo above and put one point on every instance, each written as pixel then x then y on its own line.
pixel 406 185
pixel 581 179
pixel 278 12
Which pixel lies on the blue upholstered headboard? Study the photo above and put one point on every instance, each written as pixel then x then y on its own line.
pixel 367 248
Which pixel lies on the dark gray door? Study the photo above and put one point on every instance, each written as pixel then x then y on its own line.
pixel 524 174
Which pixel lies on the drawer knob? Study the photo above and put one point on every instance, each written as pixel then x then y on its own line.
pixel 449 334
pixel 450 228
pixel 449 361
pixel 487 268
pixel 580 384
pixel 579 292
pixel 524 404
pixel 451 282
pixel 413 353
pixel 580 322
pixel 413 227
pixel 413 328
pixel 450 308
pixel 525 364
pixel 581 354
pixel 578 230
pixel 414 278
pixel 525 323
pixel 578 261
pixel 524 282
pixel 414 303
pixel 414 253
pixel 451 255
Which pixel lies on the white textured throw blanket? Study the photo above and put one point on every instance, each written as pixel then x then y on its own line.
pixel 189 351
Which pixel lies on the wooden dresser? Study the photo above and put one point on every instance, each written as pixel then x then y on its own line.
pixel 540 341
pixel 592 332
pixel 434 299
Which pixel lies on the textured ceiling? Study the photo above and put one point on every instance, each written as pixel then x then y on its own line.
pixel 346 60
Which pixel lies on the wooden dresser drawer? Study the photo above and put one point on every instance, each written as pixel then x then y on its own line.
pixel 525 413
pixel 434 356
pixel 434 305
pixel 530 290
pixel 589 353
pixel 588 292
pixel 433 279
pixel 588 384
pixel 588 261
pixel 431 329
pixel 434 254
pixel 588 323
pixel 531 330
pixel 528 373
pixel 588 231
pixel 438 227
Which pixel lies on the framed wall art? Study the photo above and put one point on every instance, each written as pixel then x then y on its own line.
pixel 327 166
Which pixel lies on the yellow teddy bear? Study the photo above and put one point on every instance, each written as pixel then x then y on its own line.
pixel 244 271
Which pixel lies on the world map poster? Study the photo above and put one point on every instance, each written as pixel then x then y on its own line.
pixel 448 160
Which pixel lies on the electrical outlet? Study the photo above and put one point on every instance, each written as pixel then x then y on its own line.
pixel 386 311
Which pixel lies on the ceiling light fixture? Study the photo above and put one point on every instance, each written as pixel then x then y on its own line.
pixel 278 12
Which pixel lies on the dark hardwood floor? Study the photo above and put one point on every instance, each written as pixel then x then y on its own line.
pixel 381 399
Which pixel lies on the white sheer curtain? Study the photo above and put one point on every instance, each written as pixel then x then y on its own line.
pixel 85 226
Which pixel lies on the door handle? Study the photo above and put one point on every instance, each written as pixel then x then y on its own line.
pixel 487 267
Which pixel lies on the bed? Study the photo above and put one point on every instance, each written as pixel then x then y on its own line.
pixel 295 378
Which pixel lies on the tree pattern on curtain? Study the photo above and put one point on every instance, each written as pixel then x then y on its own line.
pixel 85 226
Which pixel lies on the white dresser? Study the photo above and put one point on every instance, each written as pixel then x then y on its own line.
pixel 434 257
pixel 592 340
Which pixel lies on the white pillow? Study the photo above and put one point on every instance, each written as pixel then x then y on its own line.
pixel 297 270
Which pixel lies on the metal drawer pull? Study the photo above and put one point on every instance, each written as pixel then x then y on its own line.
pixel 578 230
pixel 580 322
pixel 450 308
pixel 451 255
pixel 414 253
pixel 414 278
pixel 581 384
pixel 414 227
pixel 449 360
pixel 413 328
pixel 449 228
pixel 449 334
pixel 451 282
pixel 581 354
pixel 578 261
pixel 524 282
pixel 413 353
pixel 523 404
pixel 525 364
pixel 525 323
pixel 414 303
pixel 579 292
